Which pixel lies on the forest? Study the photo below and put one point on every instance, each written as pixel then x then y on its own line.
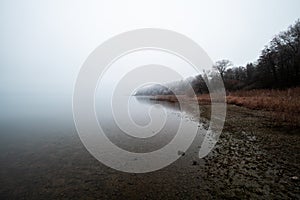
pixel 278 66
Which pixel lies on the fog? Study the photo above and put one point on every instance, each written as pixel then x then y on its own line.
pixel 43 44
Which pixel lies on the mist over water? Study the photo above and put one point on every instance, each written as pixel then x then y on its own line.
pixel 142 112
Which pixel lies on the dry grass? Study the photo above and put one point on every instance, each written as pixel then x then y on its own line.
pixel 284 105
pixel 202 100
pixel 169 98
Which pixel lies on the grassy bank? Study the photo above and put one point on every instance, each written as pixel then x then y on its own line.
pixel 283 105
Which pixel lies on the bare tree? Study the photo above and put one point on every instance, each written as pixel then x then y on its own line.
pixel 222 65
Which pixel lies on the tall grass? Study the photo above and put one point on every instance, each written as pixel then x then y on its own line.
pixel 284 105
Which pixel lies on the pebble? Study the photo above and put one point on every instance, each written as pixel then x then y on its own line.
pixel 195 162
pixel 181 153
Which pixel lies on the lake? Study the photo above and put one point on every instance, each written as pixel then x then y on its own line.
pixel 44 157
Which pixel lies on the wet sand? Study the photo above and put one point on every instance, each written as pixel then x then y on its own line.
pixel 252 159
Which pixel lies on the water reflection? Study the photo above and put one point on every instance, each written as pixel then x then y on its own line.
pixel 140 109
pixel 148 100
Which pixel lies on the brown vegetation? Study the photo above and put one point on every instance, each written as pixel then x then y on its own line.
pixel 169 98
pixel 284 105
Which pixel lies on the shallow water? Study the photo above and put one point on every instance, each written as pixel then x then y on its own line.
pixel 44 157
pixel 153 124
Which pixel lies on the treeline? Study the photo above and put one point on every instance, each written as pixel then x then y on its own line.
pixel 177 87
pixel 188 87
pixel 278 65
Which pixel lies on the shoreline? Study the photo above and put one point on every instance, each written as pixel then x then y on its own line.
pixel 281 106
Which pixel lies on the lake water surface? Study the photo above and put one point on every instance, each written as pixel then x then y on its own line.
pixel 44 157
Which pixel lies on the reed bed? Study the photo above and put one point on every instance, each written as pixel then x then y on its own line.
pixel 284 105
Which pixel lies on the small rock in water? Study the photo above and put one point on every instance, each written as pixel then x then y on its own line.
pixel 195 162
pixel 181 153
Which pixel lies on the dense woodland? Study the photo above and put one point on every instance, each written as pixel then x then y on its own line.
pixel 278 67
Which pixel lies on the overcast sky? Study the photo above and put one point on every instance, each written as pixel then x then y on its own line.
pixel 44 43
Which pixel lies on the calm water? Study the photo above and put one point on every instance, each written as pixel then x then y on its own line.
pixel 44 156
pixel 158 123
